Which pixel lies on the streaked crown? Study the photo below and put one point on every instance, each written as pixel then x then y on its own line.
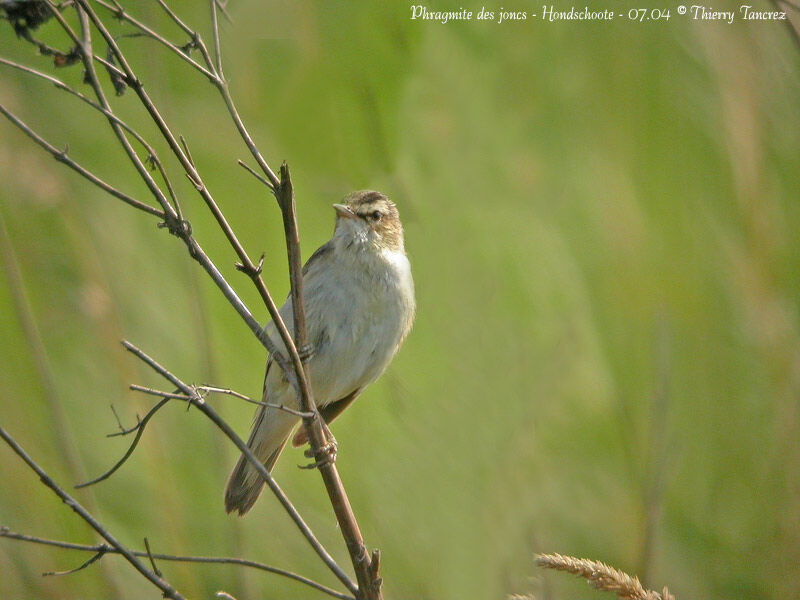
pixel 379 215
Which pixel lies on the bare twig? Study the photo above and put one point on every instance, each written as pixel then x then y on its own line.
pixel 227 392
pixel 83 565
pixel 159 582
pixel 222 86
pixel 216 77
pixel 150 556
pixel 369 585
pixel 84 44
pixel 223 8
pixel 252 172
pixel 160 393
pixel 123 15
pixel 63 86
pixel 101 549
pixel 177 227
pixel 119 423
pixel 139 429
pixel 203 390
pixel 215 32
pixel 63 157
pixel 152 157
pixel 247 264
pixel 294 369
pixel 242 446
pixel 291 411
pixel 171 13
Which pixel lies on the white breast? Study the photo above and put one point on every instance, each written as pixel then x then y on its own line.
pixel 359 308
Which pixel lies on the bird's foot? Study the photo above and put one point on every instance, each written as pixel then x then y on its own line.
pixel 325 456
pixel 305 352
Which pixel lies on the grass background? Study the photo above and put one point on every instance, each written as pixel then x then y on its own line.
pixel 603 224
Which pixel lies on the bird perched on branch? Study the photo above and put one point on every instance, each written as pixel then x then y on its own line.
pixel 358 296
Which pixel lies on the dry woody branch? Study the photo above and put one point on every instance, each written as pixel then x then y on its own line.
pixel 117 71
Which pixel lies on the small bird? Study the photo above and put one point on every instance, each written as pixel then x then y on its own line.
pixel 358 296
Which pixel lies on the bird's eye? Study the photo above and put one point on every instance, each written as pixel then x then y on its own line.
pixel 376 215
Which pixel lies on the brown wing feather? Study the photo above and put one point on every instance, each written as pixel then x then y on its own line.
pixel 328 412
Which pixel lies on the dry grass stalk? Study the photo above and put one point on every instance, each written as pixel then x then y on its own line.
pixel 602 577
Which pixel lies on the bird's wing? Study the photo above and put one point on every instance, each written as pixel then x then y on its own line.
pixel 314 258
pixel 328 412
pixel 310 272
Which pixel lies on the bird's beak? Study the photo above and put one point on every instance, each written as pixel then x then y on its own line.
pixel 344 211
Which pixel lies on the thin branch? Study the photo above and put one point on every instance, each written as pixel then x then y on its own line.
pixel 159 582
pixel 222 86
pixel 123 15
pixel 195 41
pixel 105 549
pixel 119 423
pixel 62 157
pixel 262 471
pixel 291 411
pixel 160 393
pixel 216 78
pixel 228 392
pixel 180 229
pixel 150 556
pixel 85 564
pixel 63 86
pixel 369 583
pixel 186 29
pixel 205 389
pixel 113 69
pixel 247 264
pixel 296 379
pixel 252 172
pixel 84 45
pixel 215 33
pixel 223 8
pixel 139 429
pixel 197 253
pixel 152 157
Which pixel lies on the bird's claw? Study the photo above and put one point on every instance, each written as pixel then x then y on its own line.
pixel 325 456
pixel 305 352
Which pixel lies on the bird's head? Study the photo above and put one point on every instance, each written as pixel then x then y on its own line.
pixel 370 218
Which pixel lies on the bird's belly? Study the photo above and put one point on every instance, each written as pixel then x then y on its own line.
pixel 362 334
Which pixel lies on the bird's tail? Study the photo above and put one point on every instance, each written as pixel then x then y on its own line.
pixel 268 437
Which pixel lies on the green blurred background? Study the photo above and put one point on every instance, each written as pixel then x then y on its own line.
pixel 603 224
